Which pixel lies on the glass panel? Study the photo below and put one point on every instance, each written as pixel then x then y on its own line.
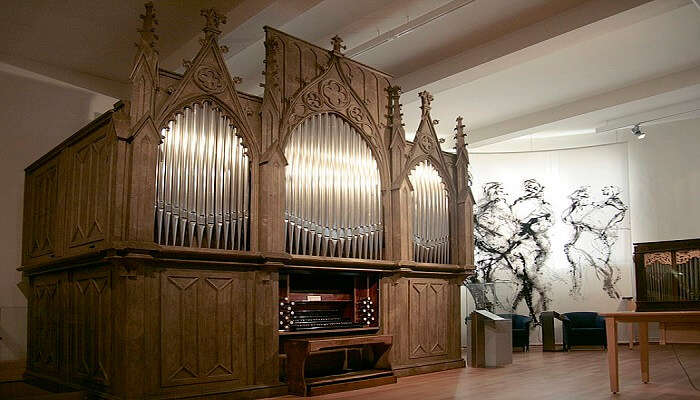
pixel 496 297
pixel 13 331
pixel 688 264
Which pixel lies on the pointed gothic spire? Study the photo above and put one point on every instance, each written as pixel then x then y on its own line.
pixel 395 111
pixel 425 99
pixel 147 30
pixel 214 19
pixel 460 135
pixel 145 68
pixel 337 44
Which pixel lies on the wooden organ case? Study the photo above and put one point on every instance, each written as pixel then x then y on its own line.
pixel 165 242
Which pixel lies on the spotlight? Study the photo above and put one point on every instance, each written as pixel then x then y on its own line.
pixel 638 132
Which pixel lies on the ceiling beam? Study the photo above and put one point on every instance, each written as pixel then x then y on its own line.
pixel 245 41
pixel 108 87
pixel 235 18
pixel 514 127
pixel 674 112
pixel 583 22
pixel 406 28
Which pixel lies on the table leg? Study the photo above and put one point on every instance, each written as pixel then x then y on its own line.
pixel 630 331
pixel 611 332
pixel 644 350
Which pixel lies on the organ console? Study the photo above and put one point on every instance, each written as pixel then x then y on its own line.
pixel 323 301
pixel 177 244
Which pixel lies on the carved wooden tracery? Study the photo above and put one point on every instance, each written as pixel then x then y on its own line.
pixel 330 93
pixel 658 258
pixel 684 256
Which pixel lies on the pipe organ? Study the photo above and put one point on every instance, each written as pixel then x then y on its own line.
pixel 430 215
pixel 333 195
pixel 174 246
pixel 202 182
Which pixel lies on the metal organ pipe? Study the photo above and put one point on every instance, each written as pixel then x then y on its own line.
pixel 431 224
pixel 202 182
pixel 333 201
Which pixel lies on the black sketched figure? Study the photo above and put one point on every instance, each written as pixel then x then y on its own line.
pixel 595 230
pixel 514 238
pixel 494 228
pixel 534 215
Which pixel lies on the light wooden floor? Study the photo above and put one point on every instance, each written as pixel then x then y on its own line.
pixel 544 376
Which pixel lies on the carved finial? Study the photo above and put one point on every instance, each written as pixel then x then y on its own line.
pixel 214 19
pixel 224 49
pixel 237 80
pixel 394 91
pixel 337 44
pixel 425 99
pixel 147 30
pixel 460 135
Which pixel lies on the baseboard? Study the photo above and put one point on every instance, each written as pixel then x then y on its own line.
pixel 425 368
pixel 49 383
pixel 53 384
pixel 248 392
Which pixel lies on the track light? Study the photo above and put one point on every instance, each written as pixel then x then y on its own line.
pixel 638 132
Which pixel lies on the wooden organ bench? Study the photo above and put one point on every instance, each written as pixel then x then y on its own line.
pixel 374 372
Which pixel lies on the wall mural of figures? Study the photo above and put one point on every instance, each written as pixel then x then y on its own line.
pixel 555 225
pixel 513 238
pixel 595 227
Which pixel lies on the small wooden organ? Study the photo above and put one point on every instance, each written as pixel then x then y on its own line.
pixel 668 275
pixel 176 243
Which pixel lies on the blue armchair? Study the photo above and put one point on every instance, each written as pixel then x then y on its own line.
pixel 521 330
pixel 583 329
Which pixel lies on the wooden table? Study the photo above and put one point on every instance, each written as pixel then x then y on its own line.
pixel 643 319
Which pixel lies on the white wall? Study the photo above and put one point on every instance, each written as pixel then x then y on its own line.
pixel 664 186
pixel 561 172
pixel 665 182
pixel 36 114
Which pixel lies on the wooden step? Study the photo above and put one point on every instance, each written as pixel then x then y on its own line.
pixel 20 390
pixel 349 381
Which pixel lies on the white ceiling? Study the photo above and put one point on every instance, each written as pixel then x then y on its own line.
pixel 458 25
pixel 510 67
pixel 649 49
pixel 609 125
pixel 94 37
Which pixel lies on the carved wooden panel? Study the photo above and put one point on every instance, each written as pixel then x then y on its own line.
pixel 91 326
pixel 88 197
pixel 41 203
pixel 428 315
pixel 45 312
pixel 203 333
